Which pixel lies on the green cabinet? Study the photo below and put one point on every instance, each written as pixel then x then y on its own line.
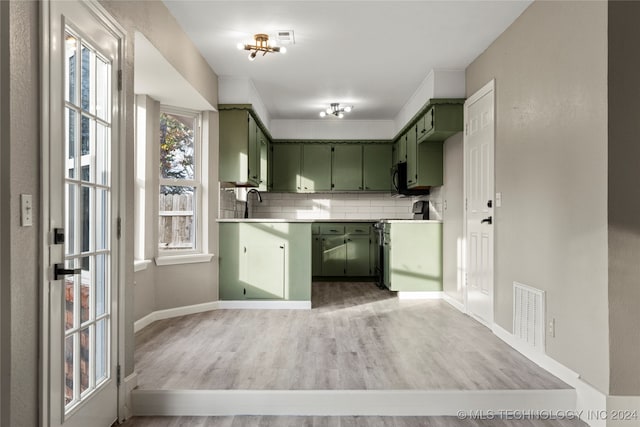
pixel 239 148
pixel 262 145
pixel 412 157
pixel 347 167
pixel 413 256
pixel 376 166
pixel 428 166
pixel 442 119
pixel 316 168
pixel 316 255
pixel 358 262
pixel 286 167
pixel 265 261
pixel 334 254
pixel 344 249
pixel 401 148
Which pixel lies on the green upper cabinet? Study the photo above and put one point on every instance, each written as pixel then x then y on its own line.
pixel 240 148
pixel 402 148
pixel 263 147
pixel 316 168
pixel 376 166
pixel 412 158
pixel 286 167
pixel 347 167
pixel 428 166
pixel 441 120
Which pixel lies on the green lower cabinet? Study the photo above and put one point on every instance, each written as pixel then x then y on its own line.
pixel 358 261
pixel 334 254
pixel 265 261
pixel 414 257
pixel 316 255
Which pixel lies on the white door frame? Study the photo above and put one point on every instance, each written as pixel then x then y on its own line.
pixel 45 218
pixel 489 87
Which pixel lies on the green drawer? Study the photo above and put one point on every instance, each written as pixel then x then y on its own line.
pixel 331 228
pixel 363 228
pixel 315 229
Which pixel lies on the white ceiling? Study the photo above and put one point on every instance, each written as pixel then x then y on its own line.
pixel 370 54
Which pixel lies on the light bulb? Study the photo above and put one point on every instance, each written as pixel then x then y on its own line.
pixel 340 115
pixel 328 110
pixel 347 109
pixel 252 56
pixel 322 114
pixel 283 49
pixel 240 46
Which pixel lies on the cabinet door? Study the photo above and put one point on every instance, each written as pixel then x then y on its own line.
pixel 376 167
pixel 286 167
pixel 316 168
pixel 263 145
pixel 358 255
pixel 334 253
pixel 412 160
pixel 254 152
pixel 264 267
pixel 316 256
pixel 386 280
pixel 402 149
pixel 429 165
pixel 347 167
pixel 394 154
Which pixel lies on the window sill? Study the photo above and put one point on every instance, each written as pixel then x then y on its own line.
pixel 141 264
pixel 183 259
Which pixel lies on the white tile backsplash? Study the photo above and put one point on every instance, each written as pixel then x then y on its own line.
pixel 331 206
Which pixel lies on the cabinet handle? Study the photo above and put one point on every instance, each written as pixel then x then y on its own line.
pixel 282 247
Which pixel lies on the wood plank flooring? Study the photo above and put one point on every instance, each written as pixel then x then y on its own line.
pixel 263 421
pixel 356 336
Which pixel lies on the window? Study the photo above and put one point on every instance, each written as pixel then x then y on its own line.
pixel 180 198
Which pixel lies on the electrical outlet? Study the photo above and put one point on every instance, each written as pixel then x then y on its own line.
pixel 26 203
pixel 552 328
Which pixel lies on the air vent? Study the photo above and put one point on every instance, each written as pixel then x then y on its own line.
pixel 284 37
pixel 528 315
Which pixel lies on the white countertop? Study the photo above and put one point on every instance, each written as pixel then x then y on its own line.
pixel 262 220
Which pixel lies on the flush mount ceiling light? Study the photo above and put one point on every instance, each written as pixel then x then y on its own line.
pixel 261 45
pixel 336 110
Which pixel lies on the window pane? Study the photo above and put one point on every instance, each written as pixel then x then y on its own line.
pixel 86 280
pixel 85 211
pixel 85 354
pixel 101 280
pixel 103 69
pixel 177 146
pixel 102 151
pixel 101 351
pixel 70 238
pixel 70 135
pixel 69 298
pixel 68 370
pixel 71 47
pixel 87 73
pixel 177 218
pixel 101 222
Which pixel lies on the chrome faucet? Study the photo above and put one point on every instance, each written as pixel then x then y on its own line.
pixel 246 205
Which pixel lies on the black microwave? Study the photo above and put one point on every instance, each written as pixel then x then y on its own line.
pixel 399 182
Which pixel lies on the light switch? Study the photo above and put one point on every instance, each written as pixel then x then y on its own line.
pixel 26 203
pixel 498 200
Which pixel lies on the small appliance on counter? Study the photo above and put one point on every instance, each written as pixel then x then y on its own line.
pixel 421 209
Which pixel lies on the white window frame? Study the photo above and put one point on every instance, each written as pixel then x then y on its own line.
pixel 196 183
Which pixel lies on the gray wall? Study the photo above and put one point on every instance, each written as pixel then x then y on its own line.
pixel 624 197
pixel 453 217
pixel 20 111
pixel 550 68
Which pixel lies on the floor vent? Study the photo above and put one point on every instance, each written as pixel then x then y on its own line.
pixel 528 315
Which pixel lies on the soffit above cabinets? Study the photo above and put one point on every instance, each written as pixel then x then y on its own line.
pixel 371 54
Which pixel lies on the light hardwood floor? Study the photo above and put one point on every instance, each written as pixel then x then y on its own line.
pixel 356 336
pixel 253 421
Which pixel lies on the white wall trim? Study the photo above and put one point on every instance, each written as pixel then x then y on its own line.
pixel 345 402
pixel 141 264
pixel 413 295
pixel 587 397
pixel 183 259
pixel 265 305
pixel 129 384
pixel 454 302
pixel 173 312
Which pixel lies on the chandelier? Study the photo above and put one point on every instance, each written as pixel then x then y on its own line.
pixel 261 45
pixel 336 110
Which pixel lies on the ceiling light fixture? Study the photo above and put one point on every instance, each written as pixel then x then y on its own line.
pixel 261 45
pixel 336 110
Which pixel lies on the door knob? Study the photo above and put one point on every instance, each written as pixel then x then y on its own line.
pixel 487 220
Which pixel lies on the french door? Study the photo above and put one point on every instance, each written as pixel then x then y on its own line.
pixel 83 128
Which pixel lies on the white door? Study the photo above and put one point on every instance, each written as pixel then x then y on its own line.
pixel 479 190
pixel 84 58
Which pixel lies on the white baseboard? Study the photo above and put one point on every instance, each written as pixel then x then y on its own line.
pixel 346 402
pixel 265 305
pixel 588 398
pixel 409 295
pixel 454 303
pixel 173 312
pixel 128 385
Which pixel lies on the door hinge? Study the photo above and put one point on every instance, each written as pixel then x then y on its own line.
pixel 119 228
pixel 118 375
pixel 119 80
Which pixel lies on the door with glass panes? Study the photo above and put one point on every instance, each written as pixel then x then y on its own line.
pixel 85 53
